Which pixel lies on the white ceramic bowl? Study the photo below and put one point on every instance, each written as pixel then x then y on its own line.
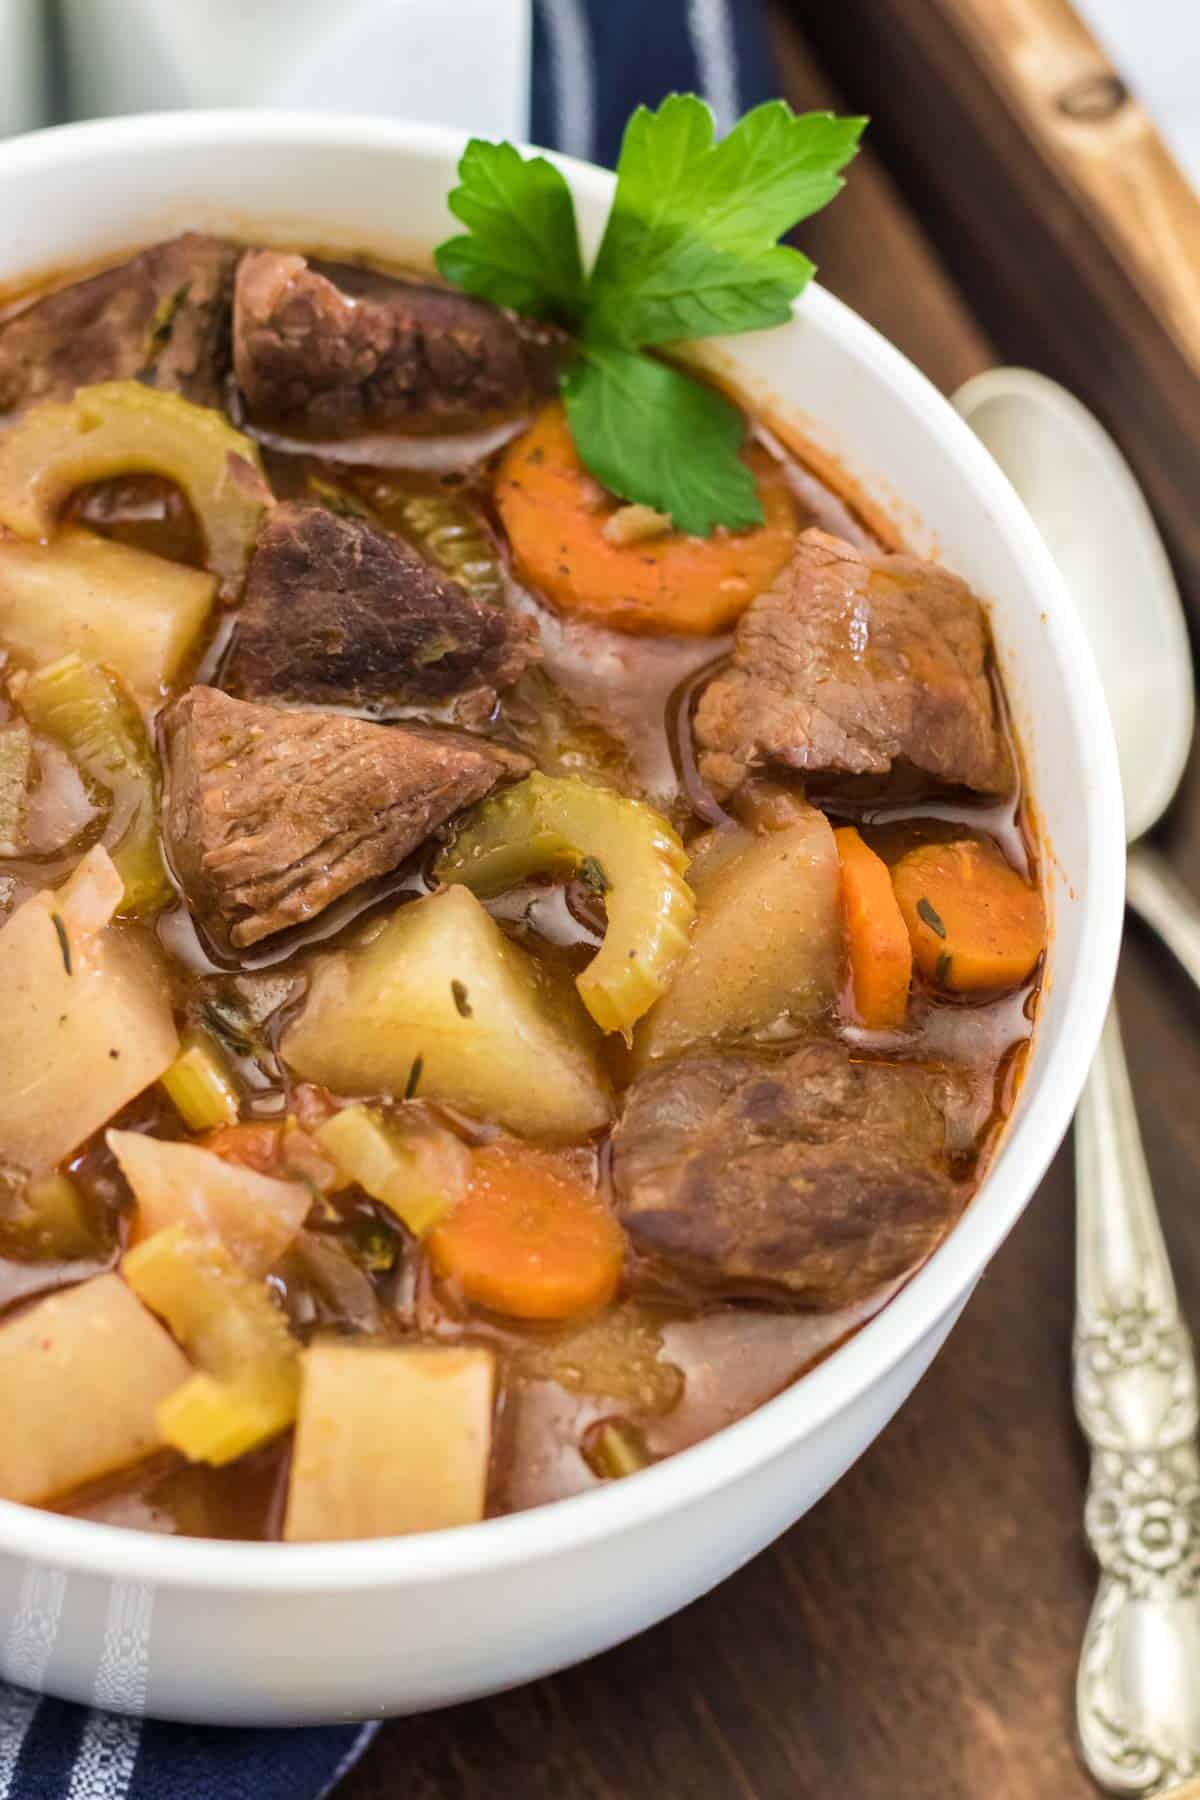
pixel 277 1634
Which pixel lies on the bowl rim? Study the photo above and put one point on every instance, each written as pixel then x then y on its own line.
pixel 944 1281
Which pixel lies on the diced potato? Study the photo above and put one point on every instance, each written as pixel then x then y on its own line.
pixel 16 762
pixel 112 604
pixel 82 1375
pixel 254 1216
pixel 766 945
pixel 124 428
pixel 85 1017
pixel 443 1004
pixel 389 1441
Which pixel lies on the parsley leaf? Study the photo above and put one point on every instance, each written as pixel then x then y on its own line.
pixel 691 248
pixel 521 248
pixel 652 434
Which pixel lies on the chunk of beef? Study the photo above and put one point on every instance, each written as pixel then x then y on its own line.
pixel 339 352
pixel 339 613
pixel 164 316
pixel 271 815
pixel 849 662
pixel 817 1177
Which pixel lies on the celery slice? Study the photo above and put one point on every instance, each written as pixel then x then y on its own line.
pixel 449 533
pixel 247 1384
pixel 122 428
pixel 615 1449
pixel 88 712
pixel 16 755
pixel 418 1172
pixel 200 1086
pixel 626 850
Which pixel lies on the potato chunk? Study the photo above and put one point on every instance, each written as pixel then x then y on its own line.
pixel 82 1375
pixel 389 1441
pixel 85 1017
pixel 254 1216
pixel 766 945
pixel 442 1000
pixel 110 603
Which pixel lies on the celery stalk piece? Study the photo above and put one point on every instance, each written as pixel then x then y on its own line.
pixel 87 711
pixel 623 848
pixel 200 1086
pixel 55 1219
pixel 449 533
pixel 247 1384
pixel 123 428
pixel 419 1172
pixel 615 1449
pixel 16 757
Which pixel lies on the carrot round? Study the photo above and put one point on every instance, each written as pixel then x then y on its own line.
pixel 974 923
pixel 528 1238
pixel 254 1145
pixel 555 515
pixel 877 941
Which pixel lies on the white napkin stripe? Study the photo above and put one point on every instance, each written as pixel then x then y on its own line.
pixel 357 1748
pixel 711 29
pixel 571 67
pixel 17 1712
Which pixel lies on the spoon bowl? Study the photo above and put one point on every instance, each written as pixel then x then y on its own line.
pixel 1089 508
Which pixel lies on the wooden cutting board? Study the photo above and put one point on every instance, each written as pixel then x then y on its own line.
pixel 915 1636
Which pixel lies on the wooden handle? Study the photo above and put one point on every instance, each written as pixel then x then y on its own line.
pixel 1097 136
pixel 1056 205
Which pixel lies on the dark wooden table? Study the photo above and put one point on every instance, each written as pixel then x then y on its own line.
pixel 915 1636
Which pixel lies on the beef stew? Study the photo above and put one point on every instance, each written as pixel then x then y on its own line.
pixel 493 987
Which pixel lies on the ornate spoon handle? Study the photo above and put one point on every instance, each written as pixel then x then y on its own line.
pixel 1138 1690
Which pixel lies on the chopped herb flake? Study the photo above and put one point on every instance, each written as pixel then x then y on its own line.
pixel 414 1077
pixel 64 942
pixel 932 918
pixel 942 972
pixel 591 873
pixel 462 1003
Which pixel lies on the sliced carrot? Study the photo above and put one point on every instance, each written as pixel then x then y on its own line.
pixel 555 515
pixel 285 1150
pixel 252 1146
pixel 974 923
pixel 877 941
pixel 529 1238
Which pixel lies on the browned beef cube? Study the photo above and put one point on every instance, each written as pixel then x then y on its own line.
pixel 164 316
pixel 271 815
pixel 817 1177
pixel 850 662
pixel 337 353
pixel 339 613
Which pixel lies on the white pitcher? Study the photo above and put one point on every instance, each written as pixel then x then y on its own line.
pixel 453 62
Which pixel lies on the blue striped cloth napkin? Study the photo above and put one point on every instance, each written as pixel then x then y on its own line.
pixel 593 62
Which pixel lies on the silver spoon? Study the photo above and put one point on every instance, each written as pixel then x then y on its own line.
pixel 1138 1688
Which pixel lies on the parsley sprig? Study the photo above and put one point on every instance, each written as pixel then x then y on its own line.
pixel 690 250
